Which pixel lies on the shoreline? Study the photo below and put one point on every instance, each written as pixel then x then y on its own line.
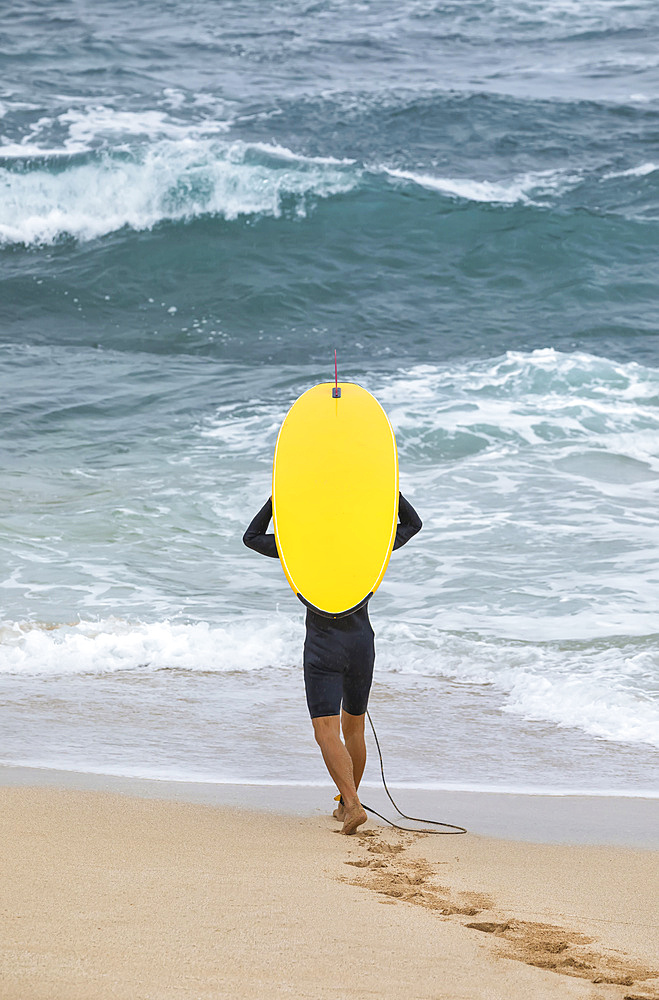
pixel 124 897
pixel 615 820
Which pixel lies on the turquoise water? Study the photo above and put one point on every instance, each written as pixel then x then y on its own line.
pixel 196 208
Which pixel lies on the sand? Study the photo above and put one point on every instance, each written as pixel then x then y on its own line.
pixel 107 895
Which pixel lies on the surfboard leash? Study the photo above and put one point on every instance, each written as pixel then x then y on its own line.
pixel 336 392
pixel 452 830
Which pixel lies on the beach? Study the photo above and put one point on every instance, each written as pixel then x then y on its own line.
pixel 115 895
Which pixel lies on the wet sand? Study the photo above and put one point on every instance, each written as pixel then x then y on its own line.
pixel 118 896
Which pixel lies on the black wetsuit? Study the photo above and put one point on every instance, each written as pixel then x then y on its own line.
pixel 339 653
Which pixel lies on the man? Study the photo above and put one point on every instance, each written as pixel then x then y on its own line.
pixel 339 654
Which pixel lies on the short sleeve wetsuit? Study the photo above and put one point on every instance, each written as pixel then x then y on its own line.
pixel 339 653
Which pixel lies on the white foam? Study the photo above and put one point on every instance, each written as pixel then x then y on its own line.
pixel 524 188
pixel 283 153
pixel 90 127
pixel 167 180
pixel 553 403
pixel 643 170
pixel 510 396
pixel 607 691
pixel 112 645
pixel 239 426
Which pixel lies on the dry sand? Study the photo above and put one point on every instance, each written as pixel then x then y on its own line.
pixel 110 896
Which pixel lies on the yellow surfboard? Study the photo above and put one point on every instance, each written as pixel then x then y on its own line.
pixel 335 497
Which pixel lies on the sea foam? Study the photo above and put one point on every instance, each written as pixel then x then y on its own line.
pixel 112 645
pixel 89 195
pixel 529 188
pixel 606 689
pixel 111 170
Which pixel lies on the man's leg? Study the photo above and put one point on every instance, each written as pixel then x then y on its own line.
pixel 339 764
pixel 353 735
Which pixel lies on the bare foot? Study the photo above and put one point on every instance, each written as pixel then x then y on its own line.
pixel 353 818
pixel 340 812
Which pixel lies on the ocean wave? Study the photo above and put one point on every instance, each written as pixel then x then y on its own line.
pixel 545 401
pixel 156 171
pixel 606 689
pixel 85 128
pixel 529 188
pixel 112 645
pixel 642 170
pixel 88 196
pixel 564 402
pixel 543 372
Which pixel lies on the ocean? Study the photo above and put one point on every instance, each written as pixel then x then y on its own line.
pixel 199 202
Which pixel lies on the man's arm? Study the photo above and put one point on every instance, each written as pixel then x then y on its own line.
pixel 410 522
pixel 255 537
